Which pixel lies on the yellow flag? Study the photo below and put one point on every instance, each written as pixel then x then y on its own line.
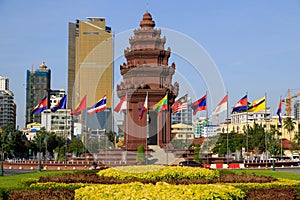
pixel 257 105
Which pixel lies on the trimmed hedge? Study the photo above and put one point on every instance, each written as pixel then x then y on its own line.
pixel 159 191
pixel 152 172
pixel 42 194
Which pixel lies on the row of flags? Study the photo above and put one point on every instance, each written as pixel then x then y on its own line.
pixel 62 104
pixel 199 105
pixel 162 105
pixel 43 105
pixel 257 105
pixel 243 105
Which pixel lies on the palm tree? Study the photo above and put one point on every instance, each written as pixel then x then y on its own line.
pixel 289 125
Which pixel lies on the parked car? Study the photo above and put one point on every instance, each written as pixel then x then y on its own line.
pixel 190 163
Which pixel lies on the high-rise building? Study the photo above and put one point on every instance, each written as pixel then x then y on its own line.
pixel 37 86
pixel 4 83
pixel 7 108
pixel 90 66
pixel 297 110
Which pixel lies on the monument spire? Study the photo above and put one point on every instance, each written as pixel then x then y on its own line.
pixel 147 73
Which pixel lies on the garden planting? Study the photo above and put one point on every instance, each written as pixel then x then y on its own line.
pixel 156 182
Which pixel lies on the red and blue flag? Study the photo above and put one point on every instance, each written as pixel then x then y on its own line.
pixel 279 112
pixel 199 105
pixel 98 107
pixel 241 105
pixel 40 107
pixel 144 108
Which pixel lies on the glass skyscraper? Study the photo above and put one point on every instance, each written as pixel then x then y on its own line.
pixel 37 86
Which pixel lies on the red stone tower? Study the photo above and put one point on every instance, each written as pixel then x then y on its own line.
pixel 147 72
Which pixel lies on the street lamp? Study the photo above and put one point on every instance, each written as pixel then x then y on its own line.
pixel 40 149
pixel 273 145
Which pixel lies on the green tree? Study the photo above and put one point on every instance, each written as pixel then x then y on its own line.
pixel 220 147
pixel 196 152
pixel 257 137
pixel 54 141
pixel 140 156
pixel 6 139
pixel 14 142
pixel 274 146
pixel 61 151
pixel 76 146
pixel 289 125
pixel 235 142
pixel 111 136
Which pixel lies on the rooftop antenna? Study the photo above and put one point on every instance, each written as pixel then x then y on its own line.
pixel 32 67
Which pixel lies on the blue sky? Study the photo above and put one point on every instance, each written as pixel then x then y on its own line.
pixel 254 44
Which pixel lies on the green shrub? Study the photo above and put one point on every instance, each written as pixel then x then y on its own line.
pixel 26 182
pixel 196 153
pixel 57 186
pixel 3 194
pixel 140 157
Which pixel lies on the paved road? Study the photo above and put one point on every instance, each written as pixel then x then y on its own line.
pixel 289 169
pixel 8 172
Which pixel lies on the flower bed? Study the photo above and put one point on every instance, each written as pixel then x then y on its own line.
pixel 157 182
pixel 96 179
pixel 42 194
pixel 159 191
pixel 151 172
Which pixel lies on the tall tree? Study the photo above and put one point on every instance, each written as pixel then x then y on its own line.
pixel 289 125
pixel 76 146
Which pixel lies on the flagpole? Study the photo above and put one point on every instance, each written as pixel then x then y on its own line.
pixel 181 113
pixel 147 129
pixel 112 93
pixel 187 113
pixel 266 122
pixel 126 127
pixel 46 132
pixel 86 132
pixel 247 128
pixel 206 107
pixel 281 131
pixel 227 130
pixel 65 127
pixel 206 110
pixel 105 125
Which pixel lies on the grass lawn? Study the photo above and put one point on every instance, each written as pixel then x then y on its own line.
pixel 276 174
pixel 11 181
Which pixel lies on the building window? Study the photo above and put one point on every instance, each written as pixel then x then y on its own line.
pixel 90 33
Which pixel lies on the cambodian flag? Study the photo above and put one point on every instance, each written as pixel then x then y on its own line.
pixel 61 104
pixel 279 112
pixel 199 105
pixel 241 105
pixel 98 107
pixel 144 108
pixel 40 107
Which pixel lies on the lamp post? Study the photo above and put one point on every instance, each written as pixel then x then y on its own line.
pixel 273 148
pixel 39 161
